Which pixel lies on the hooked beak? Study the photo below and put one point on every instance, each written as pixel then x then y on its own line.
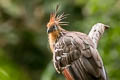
pixel 51 29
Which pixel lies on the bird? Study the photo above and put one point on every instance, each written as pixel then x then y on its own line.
pixel 74 53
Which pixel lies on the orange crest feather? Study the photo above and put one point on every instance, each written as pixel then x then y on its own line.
pixel 57 19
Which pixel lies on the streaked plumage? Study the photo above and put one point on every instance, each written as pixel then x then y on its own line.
pixel 74 53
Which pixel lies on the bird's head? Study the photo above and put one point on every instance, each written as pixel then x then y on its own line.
pixel 55 22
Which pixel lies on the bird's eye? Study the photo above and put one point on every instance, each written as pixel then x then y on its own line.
pixel 52 28
pixel 55 27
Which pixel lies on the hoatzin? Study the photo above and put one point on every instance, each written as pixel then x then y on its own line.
pixel 74 53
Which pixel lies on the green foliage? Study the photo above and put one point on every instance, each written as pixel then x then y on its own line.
pixel 24 48
pixel 10 70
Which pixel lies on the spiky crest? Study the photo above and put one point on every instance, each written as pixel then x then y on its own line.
pixel 54 18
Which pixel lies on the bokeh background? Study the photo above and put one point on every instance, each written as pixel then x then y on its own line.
pixel 24 48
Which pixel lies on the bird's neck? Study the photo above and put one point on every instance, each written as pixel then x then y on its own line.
pixel 52 38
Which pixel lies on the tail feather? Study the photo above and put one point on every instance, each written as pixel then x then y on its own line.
pixel 77 72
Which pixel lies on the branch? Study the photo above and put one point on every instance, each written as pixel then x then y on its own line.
pixel 96 32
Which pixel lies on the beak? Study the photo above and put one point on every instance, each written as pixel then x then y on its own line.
pixel 49 30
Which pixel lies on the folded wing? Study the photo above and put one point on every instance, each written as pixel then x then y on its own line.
pixel 77 58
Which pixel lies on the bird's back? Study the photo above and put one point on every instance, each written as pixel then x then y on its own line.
pixel 77 58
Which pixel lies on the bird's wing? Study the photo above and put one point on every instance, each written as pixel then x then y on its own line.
pixel 77 58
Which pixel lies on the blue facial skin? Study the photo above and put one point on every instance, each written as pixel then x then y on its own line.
pixel 51 29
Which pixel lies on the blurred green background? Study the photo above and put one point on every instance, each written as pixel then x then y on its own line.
pixel 24 48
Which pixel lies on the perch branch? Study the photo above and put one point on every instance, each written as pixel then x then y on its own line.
pixel 96 32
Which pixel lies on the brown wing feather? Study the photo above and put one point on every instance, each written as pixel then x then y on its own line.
pixel 76 56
